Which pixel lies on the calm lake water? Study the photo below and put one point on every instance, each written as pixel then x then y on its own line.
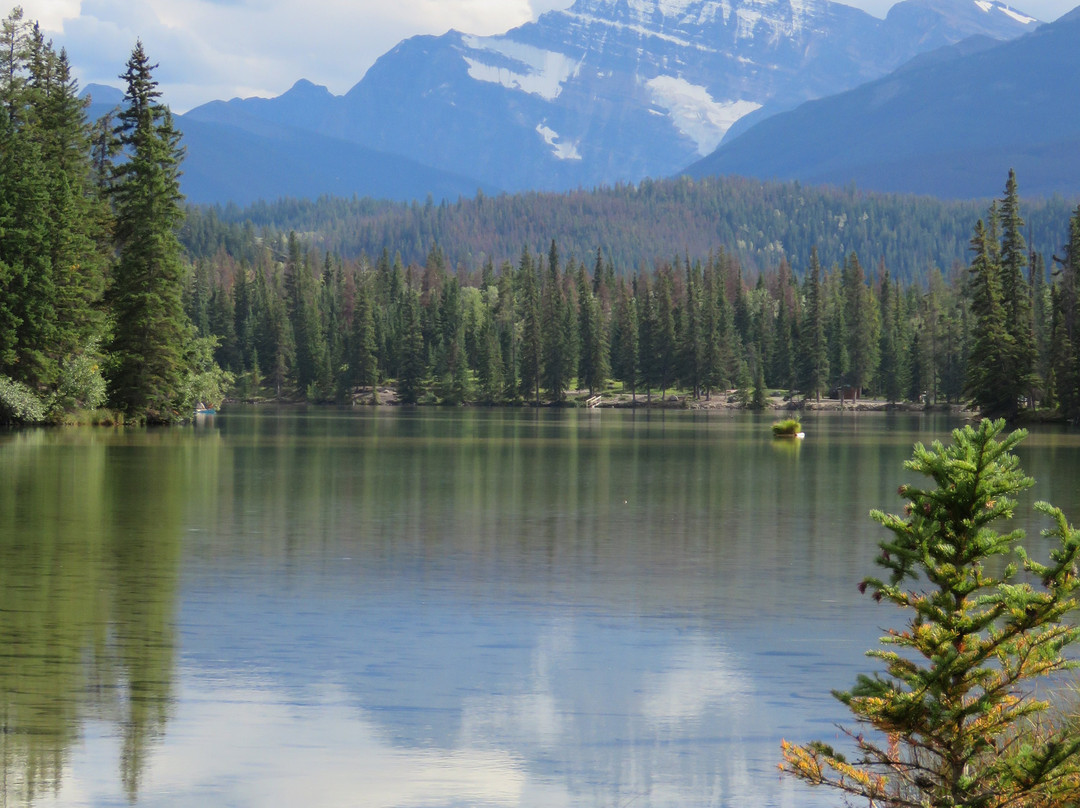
pixel 443 607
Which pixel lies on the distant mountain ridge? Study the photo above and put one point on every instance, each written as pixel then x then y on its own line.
pixel 249 159
pixel 949 124
pixel 606 91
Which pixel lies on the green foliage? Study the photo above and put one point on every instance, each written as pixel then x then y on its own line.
pixel 953 712
pixel 19 404
pixel 205 383
pixel 146 294
pixel 81 385
pixel 787 427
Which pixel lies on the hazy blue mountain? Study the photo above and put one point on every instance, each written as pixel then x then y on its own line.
pixel 949 124
pixel 243 158
pixel 606 91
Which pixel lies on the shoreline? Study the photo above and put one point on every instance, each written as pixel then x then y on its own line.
pixel 576 399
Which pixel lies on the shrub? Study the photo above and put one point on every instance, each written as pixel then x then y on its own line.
pixel 19 404
pixel 951 721
pixel 787 428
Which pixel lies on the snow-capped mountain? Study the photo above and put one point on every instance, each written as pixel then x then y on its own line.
pixel 950 124
pixel 613 90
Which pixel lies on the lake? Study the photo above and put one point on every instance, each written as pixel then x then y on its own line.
pixel 395 607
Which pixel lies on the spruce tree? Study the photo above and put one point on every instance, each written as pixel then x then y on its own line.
pixel 814 357
pixel 624 339
pixel 507 332
pixel 150 325
pixel 531 355
pixel 1015 290
pixel 954 720
pixel 363 357
pixel 863 331
pixel 992 359
pixel 666 340
pixel 557 324
pixel 888 348
pixel 413 360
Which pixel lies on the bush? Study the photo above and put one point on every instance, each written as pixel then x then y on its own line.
pixel 19 404
pixel 789 427
pixel 955 721
pixel 81 384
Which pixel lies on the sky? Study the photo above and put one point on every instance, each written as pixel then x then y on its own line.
pixel 221 49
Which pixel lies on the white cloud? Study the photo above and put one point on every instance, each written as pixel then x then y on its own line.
pixel 210 49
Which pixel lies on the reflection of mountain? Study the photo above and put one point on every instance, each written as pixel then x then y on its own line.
pixel 88 584
pixel 598 601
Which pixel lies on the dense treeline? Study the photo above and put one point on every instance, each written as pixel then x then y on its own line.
pixel 759 223
pixel 91 270
pixel 296 321
pixel 99 302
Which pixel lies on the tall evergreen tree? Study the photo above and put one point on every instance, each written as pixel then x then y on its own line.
pixel 953 719
pixel 531 357
pixel 666 345
pixel 363 356
pixel 888 347
pixel 993 350
pixel 557 325
pixel 862 325
pixel 813 351
pixel 1015 291
pixel 624 339
pixel 413 357
pixel 150 326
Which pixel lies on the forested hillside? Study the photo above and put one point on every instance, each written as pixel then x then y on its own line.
pixel 295 320
pixel 757 222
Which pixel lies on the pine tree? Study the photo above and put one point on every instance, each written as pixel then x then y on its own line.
pixel 489 362
pixel 1015 291
pixel 888 348
pixel 363 358
pixel 691 349
pixel 666 340
pixel 557 322
pixel 145 296
pixel 594 363
pixel 992 358
pixel 814 358
pixel 624 339
pixel 506 331
pixel 955 717
pixel 531 356
pixel 413 358
pixel 862 325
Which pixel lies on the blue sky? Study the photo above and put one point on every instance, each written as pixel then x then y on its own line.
pixel 220 49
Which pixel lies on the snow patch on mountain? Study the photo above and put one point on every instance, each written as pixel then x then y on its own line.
pixel 519 66
pixel 695 113
pixel 1020 18
pixel 988 6
pixel 562 151
pixel 639 30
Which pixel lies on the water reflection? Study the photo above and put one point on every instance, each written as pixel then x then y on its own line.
pixel 505 608
pixel 89 559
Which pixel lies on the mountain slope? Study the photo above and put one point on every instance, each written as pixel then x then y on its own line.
pixel 244 159
pixel 610 90
pixel 950 126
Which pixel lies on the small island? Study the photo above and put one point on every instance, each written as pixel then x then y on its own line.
pixel 788 428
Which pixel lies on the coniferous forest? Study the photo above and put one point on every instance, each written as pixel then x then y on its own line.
pixel 114 294
pixel 91 269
